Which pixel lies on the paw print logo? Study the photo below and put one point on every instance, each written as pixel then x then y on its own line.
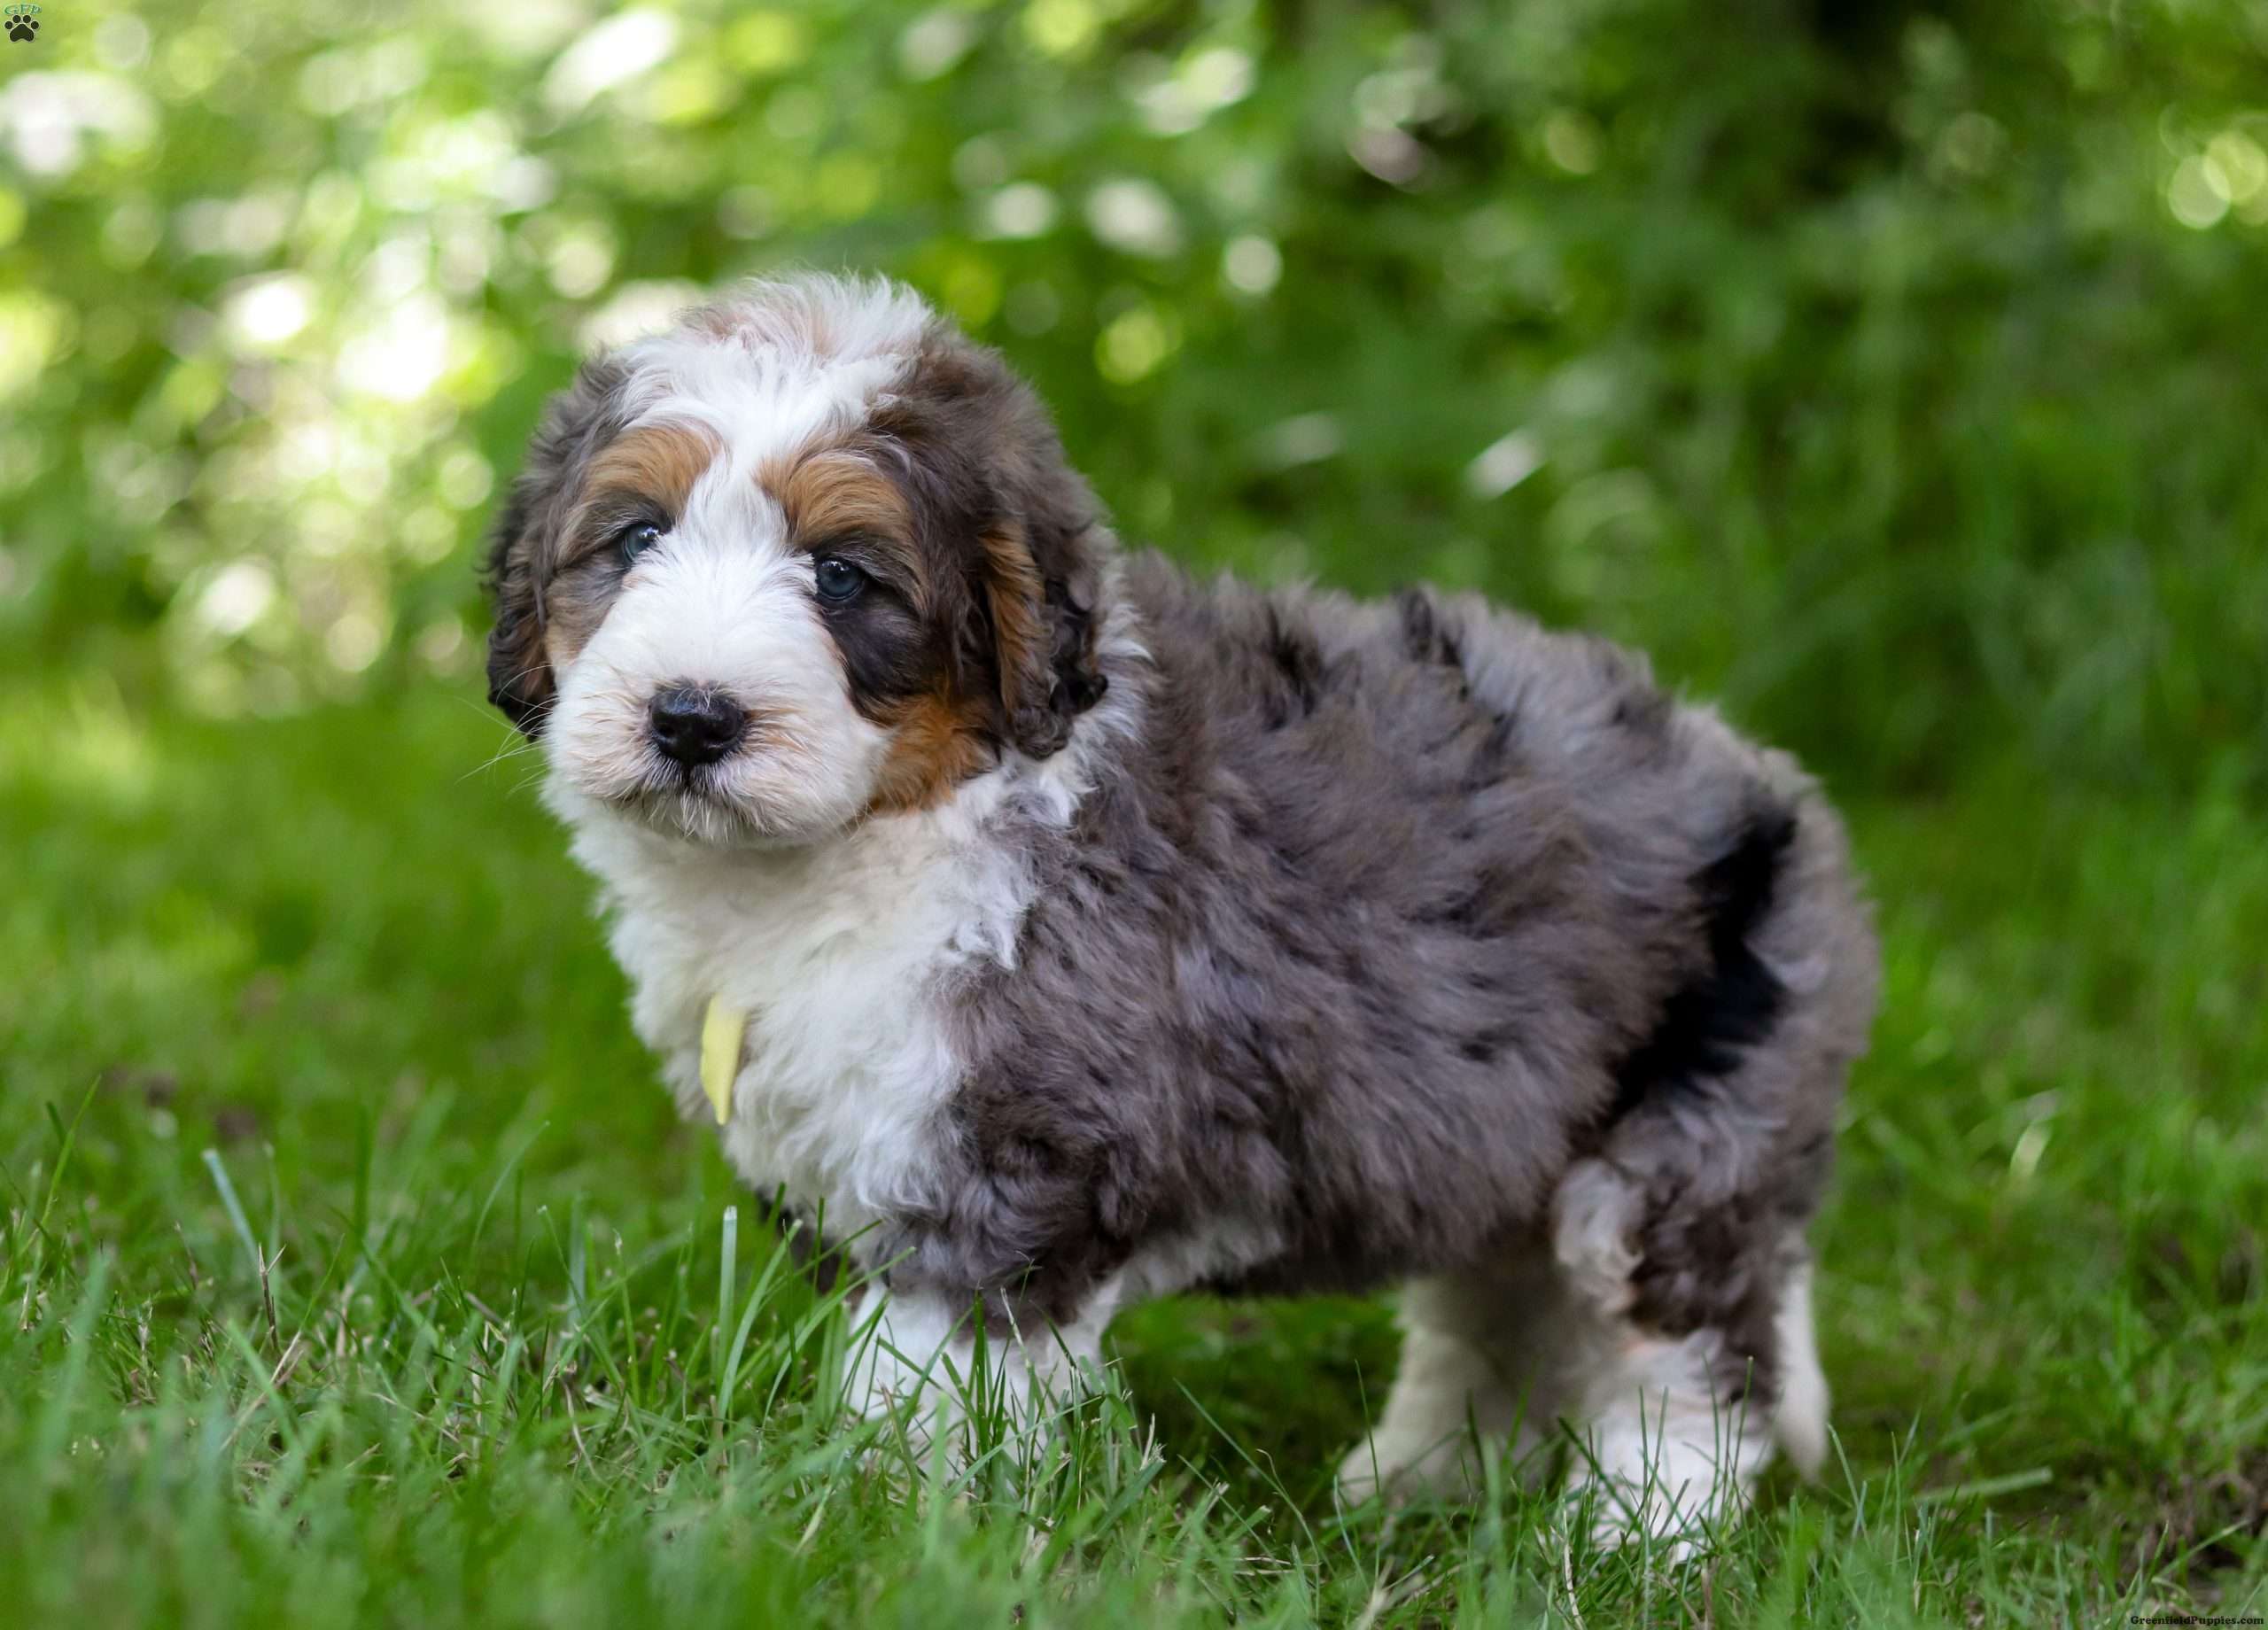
pixel 23 30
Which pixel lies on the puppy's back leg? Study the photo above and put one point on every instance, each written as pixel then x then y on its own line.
pixel 1673 1422
pixel 1799 1421
pixel 1474 1383
pixel 1685 1230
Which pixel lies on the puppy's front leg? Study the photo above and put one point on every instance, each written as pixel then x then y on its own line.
pixel 920 1344
pixel 914 1346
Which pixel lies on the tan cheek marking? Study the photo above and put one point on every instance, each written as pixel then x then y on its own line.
pixel 576 605
pixel 937 745
pixel 576 613
pixel 937 739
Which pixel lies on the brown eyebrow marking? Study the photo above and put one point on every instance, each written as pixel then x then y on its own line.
pixel 833 493
pixel 658 463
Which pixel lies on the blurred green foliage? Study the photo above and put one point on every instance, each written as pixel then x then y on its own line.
pixel 1891 368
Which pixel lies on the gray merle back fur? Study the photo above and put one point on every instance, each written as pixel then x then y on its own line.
pixel 1392 912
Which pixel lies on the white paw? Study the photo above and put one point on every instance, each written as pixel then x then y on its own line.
pixel 1673 1519
pixel 1403 1469
pixel 1662 1458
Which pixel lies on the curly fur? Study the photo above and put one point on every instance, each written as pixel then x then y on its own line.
pixel 1260 941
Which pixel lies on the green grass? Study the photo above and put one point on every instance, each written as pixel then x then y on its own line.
pixel 439 1333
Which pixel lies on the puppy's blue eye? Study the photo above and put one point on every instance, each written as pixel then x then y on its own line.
pixel 631 541
pixel 838 579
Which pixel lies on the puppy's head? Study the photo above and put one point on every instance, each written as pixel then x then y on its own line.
pixel 808 556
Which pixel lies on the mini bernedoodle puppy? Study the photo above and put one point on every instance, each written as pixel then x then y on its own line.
pixel 1083 933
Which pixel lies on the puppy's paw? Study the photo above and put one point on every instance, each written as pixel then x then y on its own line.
pixel 1618 1512
pixel 1662 1456
pixel 1403 1470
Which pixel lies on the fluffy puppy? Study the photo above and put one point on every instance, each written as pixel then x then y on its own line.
pixel 1102 935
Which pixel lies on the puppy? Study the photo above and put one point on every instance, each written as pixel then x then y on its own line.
pixel 1085 934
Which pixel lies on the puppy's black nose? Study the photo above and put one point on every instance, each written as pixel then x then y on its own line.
pixel 694 725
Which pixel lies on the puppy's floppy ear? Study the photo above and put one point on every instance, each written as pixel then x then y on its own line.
pixel 524 547
pixel 1024 538
pixel 519 673
pixel 1040 566
pixel 1043 629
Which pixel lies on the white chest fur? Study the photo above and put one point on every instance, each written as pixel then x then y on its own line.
pixel 835 953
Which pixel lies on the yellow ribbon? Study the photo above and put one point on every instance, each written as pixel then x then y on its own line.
pixel 722 1028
